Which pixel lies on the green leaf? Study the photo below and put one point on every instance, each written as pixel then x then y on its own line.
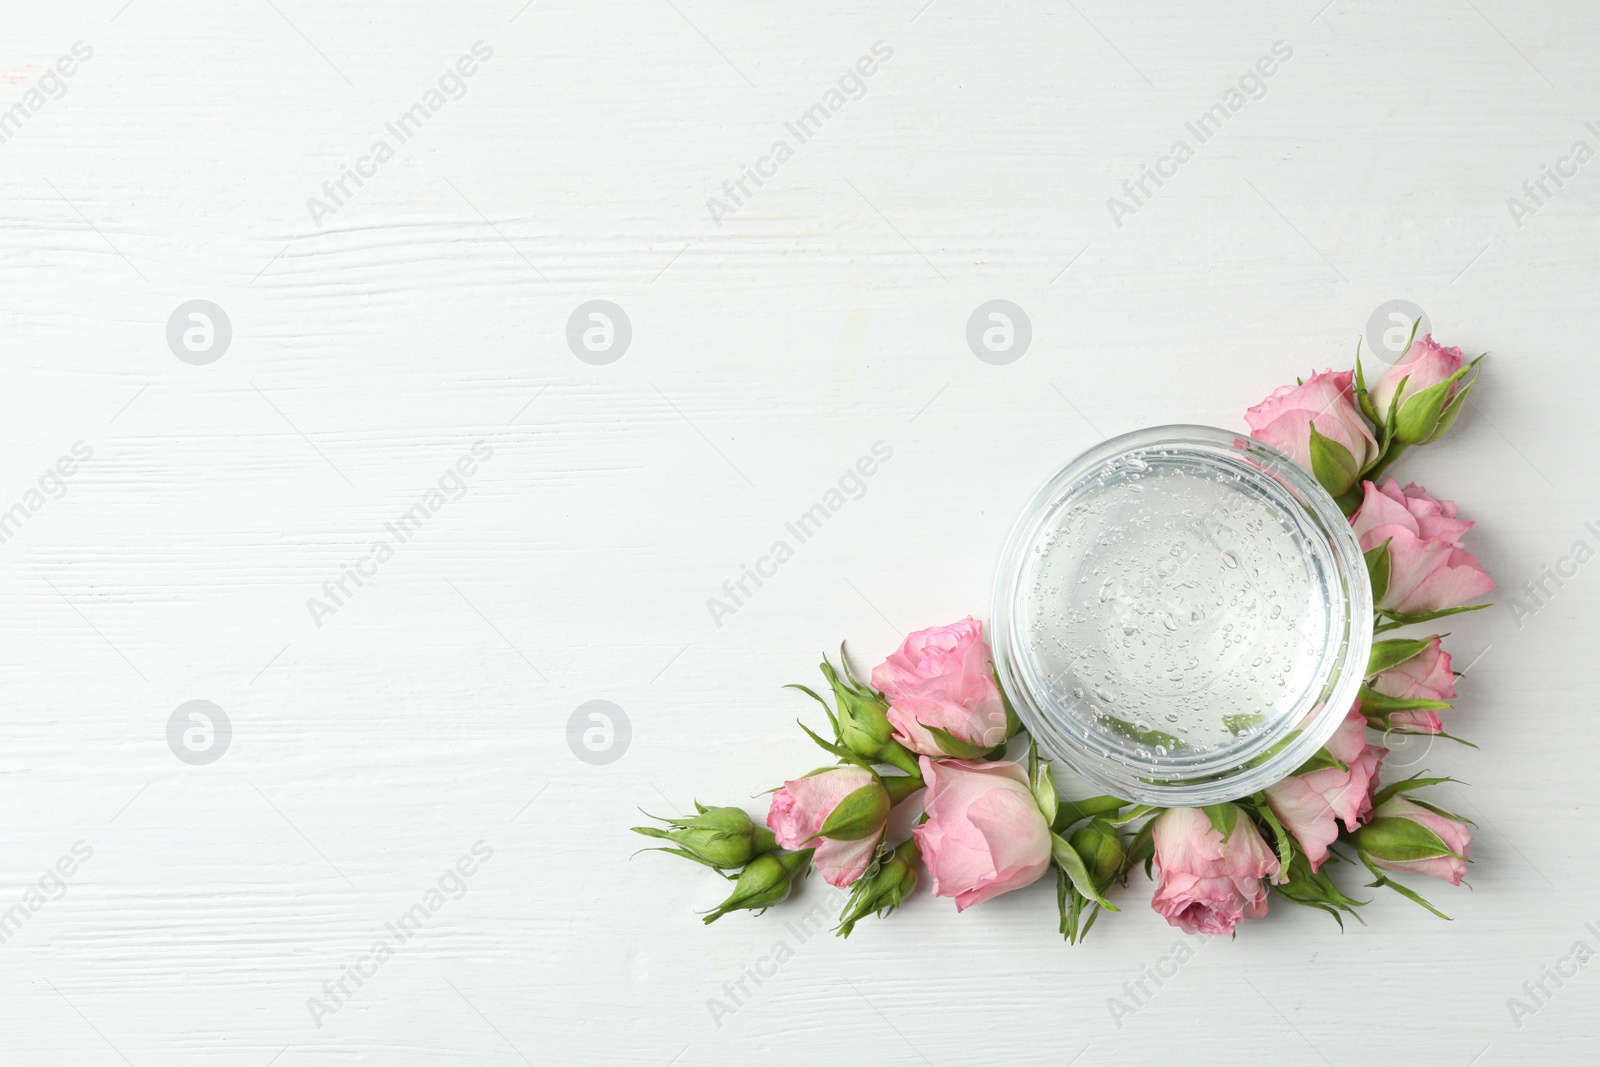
pixel 1395 651
pixel 1332 463
pixel 1068 860
pixel 1377 558
pixel 1224 817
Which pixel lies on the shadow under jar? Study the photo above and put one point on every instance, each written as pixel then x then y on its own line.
pixel 1182 616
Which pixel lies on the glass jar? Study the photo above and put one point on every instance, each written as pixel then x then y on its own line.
pixel 1182 616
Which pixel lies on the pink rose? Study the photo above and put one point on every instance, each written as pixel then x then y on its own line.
pixel 1425 676
pixel 1426 364
pixel 1284 419
pixel 1308 804
pixel 941 678
pixel 1375 840
pixel 985 834
pixel 1428 569
pixel 802 808
pixel 1204 885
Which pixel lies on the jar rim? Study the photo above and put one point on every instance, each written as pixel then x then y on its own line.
pixel 1263 758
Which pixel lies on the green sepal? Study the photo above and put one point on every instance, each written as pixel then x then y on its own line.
pixel 860 814
pixel 1106 862
pixel 1069 812
pixel 1419 415
pixel 1013 721
pixel 1447 418
pixel 1320 761
pixel 1362 399
pixel 1224 817
pixel 1383 880
pixel 766 881
pixel 844 754
pixel 882 888
pixel 1395 651
pixel 900 786
pixel 951 745
pixel 1397 620
pixel 1332 464
pixel 1282 841
pixel 1044 790
pixel 1377 558
pixel 1400 840
pixel 1068 860
pixel 1406 785
pixel 1313 889
pixel 1377 703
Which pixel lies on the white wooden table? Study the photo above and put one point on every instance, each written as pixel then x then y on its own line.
pixel 539 159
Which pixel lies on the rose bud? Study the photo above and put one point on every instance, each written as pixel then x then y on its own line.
pixel 1105 857
pixel 1309 802
pixel 1407 695
pixel 1408 836
pixel 1422 389
pixel 984 833
pixel 1206 883
pixel 860 723
pixel 722 838
pixel 883 888
pixel 840 812
pixel 1414 551
pixel 765 882
pixel 943 698
pixel 1318 426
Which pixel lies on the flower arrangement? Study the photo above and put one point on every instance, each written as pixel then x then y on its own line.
pixel 934 723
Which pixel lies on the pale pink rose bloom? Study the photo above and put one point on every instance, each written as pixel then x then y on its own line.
pixel 941 677
pixel 1426 364
pixel 1205 885
pixel 985 834
pixel 1284 419
pixel 1455 835
pixel 801 807
pixel 1428 568
pixel 1309 804
pixel 1425 676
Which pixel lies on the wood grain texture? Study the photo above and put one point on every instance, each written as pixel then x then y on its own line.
pixel 374 346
